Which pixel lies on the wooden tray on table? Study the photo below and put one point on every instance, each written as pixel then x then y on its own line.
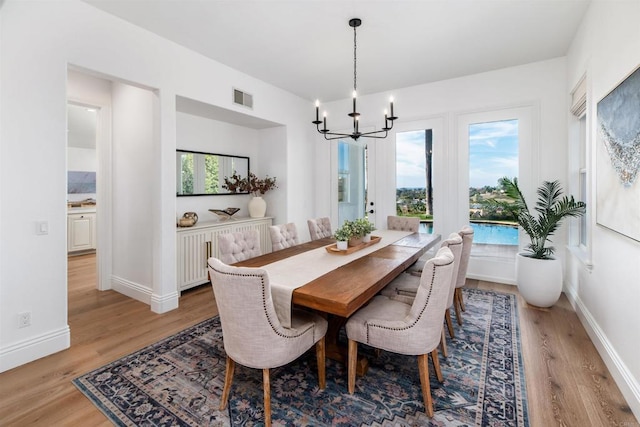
pixel 333 249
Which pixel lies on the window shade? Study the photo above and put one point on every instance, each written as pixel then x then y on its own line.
pixel 579 99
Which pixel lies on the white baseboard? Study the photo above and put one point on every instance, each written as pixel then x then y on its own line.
pixel 162 304
pixel 158 303
pixel 496 279
pixel 628 385
pixel 34 348
pixel 131 289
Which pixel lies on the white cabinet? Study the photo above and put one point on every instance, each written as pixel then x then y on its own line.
pixel 81 231
pixel 198 243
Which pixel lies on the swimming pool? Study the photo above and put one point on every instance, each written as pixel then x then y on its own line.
pixel 496 234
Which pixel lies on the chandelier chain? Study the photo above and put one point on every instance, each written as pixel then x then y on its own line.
pixel 355 75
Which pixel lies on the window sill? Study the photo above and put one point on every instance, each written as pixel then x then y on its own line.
pixel 582 255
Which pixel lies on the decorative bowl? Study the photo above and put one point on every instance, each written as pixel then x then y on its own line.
pixel 191 215
pixel 225 213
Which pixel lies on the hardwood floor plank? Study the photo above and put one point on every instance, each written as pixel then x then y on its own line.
pixel 567 381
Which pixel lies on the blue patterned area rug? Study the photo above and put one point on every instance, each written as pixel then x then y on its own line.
pixel 178 381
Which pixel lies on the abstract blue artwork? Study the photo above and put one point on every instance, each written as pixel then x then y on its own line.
pixel 618 158
pixel 81 182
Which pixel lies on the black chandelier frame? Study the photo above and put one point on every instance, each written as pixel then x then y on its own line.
pixel 356 134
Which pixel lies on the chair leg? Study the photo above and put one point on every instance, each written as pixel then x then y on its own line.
pixel 351 368
pixel 266 384
pixel 443 345
pixel 436 364
pixel 228 379
pixel 461 299
pixel 456 304
pixel 447 317
pixel 424 382
pixel 320 357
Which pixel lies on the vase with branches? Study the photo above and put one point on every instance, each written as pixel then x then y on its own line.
pixel 249 184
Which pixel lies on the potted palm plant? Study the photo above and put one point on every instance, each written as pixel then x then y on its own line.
pixel 538 273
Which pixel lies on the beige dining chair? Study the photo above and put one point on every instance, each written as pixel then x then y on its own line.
pixel 405 287
pixel 403 223
pixel 251 332
pixel 236 247
pixel 319 228
pixel 412 330
pixel 467 242
pixel 283 236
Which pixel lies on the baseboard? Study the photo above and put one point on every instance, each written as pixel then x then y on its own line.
pixel 495 279
pixel 626 382
pixel 164 303
pixel 131 289
pixel 158 303
pixel 34 348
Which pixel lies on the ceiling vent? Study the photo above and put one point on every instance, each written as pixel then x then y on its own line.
pixel 242 98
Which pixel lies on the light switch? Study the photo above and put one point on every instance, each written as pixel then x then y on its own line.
pixel 42 228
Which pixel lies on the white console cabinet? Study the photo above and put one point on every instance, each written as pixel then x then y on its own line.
pixel 81 231
pixel 198 243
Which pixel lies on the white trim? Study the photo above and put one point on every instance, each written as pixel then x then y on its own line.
pixel 623 378
pixel 131 289
pixel 528 116
pixel 164 303
pixel 34 348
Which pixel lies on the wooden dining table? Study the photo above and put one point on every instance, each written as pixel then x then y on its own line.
pixel 341 292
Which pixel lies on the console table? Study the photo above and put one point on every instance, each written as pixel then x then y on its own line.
pixel 198 243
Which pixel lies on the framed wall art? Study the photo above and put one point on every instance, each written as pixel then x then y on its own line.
pixel 618 158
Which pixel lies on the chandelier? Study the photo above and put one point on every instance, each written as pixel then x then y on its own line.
pixel 388 116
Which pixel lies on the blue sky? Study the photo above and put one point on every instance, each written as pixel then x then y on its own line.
pixel 493 153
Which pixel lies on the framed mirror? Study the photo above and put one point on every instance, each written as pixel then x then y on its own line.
pixel 202 174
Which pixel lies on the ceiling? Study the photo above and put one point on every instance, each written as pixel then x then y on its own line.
pixel 306 46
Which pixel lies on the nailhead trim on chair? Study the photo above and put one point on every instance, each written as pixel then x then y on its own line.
pixel 421 311
pixel 264 304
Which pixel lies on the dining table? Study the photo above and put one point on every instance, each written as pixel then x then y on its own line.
pixel 341 291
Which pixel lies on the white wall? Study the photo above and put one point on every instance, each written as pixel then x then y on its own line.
pixel 133 184
pixel 33 83
pixel 607 49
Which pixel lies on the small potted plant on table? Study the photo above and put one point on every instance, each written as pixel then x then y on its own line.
pixel 342 235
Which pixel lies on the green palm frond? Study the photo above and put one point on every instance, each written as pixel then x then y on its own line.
pixel 551 208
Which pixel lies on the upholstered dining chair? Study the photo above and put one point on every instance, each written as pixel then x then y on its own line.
pixel 319 228
pixel 283 236
pixel 405 287
pixel 236 247
pixel 412 330
pixel 251 332
pixel 467 241
pixel 403 223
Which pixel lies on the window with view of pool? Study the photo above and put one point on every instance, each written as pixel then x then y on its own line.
pixel 487 233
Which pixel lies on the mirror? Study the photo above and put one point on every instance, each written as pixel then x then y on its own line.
pixel 202 174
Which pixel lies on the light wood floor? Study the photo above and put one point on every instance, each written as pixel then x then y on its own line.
pixel 567 382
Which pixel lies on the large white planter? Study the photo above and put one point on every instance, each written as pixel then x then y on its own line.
pixel 539 280
pixel 257 207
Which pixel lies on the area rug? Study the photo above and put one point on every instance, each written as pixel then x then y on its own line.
pixel 178 381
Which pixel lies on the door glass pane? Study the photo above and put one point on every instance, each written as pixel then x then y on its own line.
pixel 493 154
pixel 414 185
pixel 351 180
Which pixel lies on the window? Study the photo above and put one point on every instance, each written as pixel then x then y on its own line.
pixel 579 177
pixel 414 176
pixel 351 180
pixel 493 154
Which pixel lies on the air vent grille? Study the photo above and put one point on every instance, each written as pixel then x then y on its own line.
pixel 242 98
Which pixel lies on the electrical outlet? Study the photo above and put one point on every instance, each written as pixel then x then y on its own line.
pixel 24 319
